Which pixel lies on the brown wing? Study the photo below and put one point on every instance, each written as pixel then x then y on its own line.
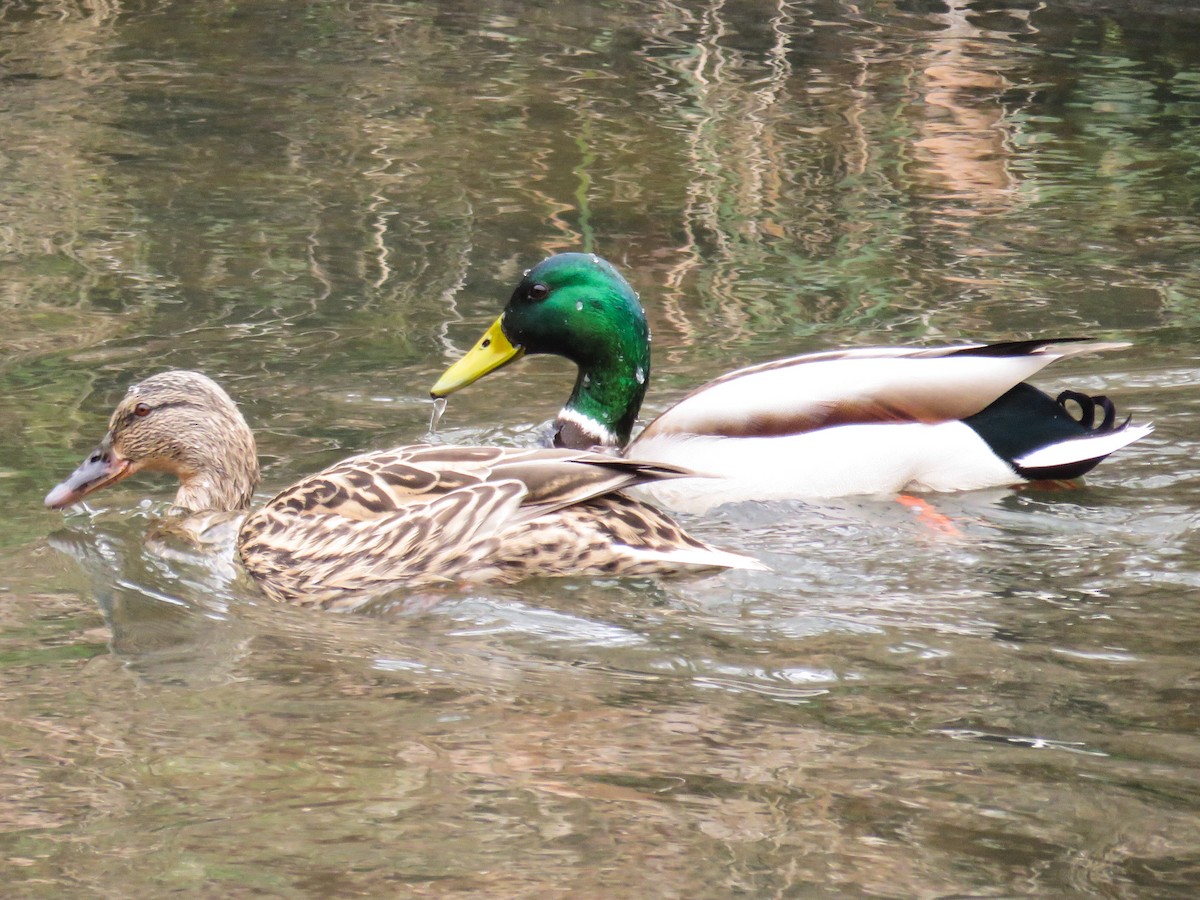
pixel 371 485
pixel 437 513
pixel 319 559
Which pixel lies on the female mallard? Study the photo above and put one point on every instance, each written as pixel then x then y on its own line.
pixel 392 518
pixel 863 421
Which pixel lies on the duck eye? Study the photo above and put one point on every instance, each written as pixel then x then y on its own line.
pixel 538 291
pixel 142 409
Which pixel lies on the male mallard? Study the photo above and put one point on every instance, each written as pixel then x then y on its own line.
pixel 862 421
pixel 391 518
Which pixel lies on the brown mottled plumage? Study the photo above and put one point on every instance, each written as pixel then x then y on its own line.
pixel 393 518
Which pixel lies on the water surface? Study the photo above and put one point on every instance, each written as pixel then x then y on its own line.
pixel 322 204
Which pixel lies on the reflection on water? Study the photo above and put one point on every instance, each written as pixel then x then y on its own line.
pixel 321 205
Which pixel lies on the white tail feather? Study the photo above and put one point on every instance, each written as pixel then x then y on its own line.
pixel 710 557
pixel 1083 448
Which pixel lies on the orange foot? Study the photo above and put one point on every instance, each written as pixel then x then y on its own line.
pixel 929 517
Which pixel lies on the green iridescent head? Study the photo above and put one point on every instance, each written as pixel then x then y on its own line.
pixel 578 306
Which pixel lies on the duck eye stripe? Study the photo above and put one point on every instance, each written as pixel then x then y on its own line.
pixel 137 411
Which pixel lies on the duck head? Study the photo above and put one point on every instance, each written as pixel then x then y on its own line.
pixel 578 306
pixel 179 422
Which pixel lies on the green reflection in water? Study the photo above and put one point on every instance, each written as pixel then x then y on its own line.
pixel 321 204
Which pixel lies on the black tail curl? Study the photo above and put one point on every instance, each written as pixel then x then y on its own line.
pixel 1024 420
pixel 1087 411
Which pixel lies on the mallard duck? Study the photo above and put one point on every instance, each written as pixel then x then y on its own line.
pixel 390 518
pixel 843 422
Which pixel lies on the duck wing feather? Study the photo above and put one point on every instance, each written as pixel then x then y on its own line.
pixel 438 513
pixel 878 384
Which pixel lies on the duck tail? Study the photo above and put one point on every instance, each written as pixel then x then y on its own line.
pixel 701 555
pixel 1098 435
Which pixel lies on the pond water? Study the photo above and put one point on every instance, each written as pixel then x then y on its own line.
pixel 322 204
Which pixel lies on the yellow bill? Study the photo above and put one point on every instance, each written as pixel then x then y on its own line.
pixel 490 352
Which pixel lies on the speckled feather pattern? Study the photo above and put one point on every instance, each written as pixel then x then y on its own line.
pixel 441 514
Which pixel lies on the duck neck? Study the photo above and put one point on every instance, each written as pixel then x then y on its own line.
pixel 212 491
pixel 607 397
pixel 224 477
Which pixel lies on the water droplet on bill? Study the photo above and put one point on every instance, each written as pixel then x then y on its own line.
pixel 439 408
